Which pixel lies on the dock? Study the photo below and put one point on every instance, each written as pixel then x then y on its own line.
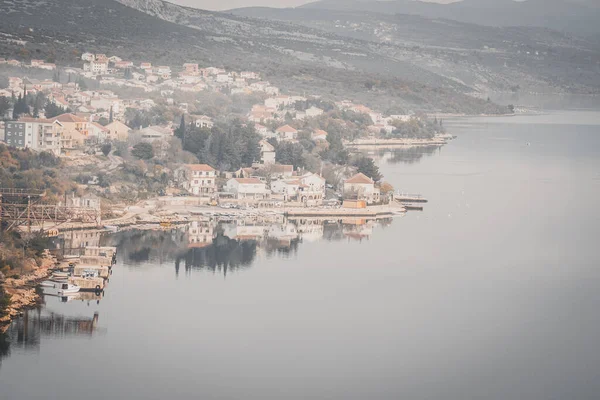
pixel 88 284
pixel 369 212
pixel 413 207
pixel 410 198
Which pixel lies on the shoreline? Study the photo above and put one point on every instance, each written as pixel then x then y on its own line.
pixel 438 140
pixel 23 293
pixel 22 287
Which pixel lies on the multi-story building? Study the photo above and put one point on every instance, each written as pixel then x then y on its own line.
pixel 198 179
pixel 247 188
pixel 96 67
pixel 36 134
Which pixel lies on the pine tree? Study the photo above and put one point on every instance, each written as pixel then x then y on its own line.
pixel 36 110
pixel 180 132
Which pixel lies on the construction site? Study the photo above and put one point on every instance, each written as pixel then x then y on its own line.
pixel 28 211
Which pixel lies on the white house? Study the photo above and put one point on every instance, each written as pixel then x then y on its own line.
pixel 198 179
pixel 286 132
pixel 88 57
pixel 288 188
pixel 361 187
pixel 267 152
pixel 312 189
pixel 202 121
pixel 247 188
pixel 96 68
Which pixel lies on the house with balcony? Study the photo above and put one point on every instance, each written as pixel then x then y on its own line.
pixel 247 189
pixel 198 179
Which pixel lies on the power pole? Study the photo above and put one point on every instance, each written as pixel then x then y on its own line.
pixel 29 214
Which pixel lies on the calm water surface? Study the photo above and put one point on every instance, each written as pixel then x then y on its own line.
pixel 491 293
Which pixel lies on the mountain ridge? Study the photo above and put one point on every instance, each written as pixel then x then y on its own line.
pixel 578 17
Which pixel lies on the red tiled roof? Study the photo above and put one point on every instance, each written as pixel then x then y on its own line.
pixel 286 129
pixel 70 118
pixel 360 178
pixel 200 167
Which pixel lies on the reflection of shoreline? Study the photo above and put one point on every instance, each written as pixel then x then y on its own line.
pixel 390 143
pixel 225 246
pixel 26 332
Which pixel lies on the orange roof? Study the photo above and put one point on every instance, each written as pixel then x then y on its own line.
pixel 360 178
pixel 200 167
pixel 70 118
pixel 248 180
pixel 286 129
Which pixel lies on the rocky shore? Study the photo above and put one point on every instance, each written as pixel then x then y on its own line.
pixel 21 290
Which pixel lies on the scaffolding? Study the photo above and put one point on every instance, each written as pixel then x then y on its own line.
pixel 22 207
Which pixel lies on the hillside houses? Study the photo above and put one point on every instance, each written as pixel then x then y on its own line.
pixel 286 133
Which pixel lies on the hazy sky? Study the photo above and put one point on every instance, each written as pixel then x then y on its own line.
pixel 229 4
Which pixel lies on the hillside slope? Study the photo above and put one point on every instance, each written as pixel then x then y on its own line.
pixel 575 16
pixel 481 57
pixel 297 58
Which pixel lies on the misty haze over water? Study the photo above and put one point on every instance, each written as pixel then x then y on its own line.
pixel 241 156
pixel 488 293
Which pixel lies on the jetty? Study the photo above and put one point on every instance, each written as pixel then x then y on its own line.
pixel 372 142
pixel 409 198
pixel 91 270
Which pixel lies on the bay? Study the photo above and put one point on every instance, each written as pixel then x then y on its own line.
pixel 490 293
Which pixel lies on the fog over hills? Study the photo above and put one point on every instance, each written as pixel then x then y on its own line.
pixel 482 57
pixel 410 61
pixel 575 16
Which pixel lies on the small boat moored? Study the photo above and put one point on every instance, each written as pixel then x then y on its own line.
pixel 59 288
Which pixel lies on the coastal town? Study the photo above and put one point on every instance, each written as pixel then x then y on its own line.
pixel 88 121
pixel 155 147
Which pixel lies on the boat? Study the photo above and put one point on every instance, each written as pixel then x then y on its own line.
pixel 59 288
pixel 411 206
pixel 60 275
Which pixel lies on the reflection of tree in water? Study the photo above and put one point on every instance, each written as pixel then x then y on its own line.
pixel 409 155
pixel 142 246
pixel 26 332
pixel 225 247
pixel 333 231
pixel 223 254
pixel 280 247
pixel 4 346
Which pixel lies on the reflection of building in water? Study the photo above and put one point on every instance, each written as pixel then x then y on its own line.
pixel 358 229
pixel 27 331
pixel 74 241
pixel 283 233
pixel 241 231
pixel 309 230
pixel 282 238
pixel 200 233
